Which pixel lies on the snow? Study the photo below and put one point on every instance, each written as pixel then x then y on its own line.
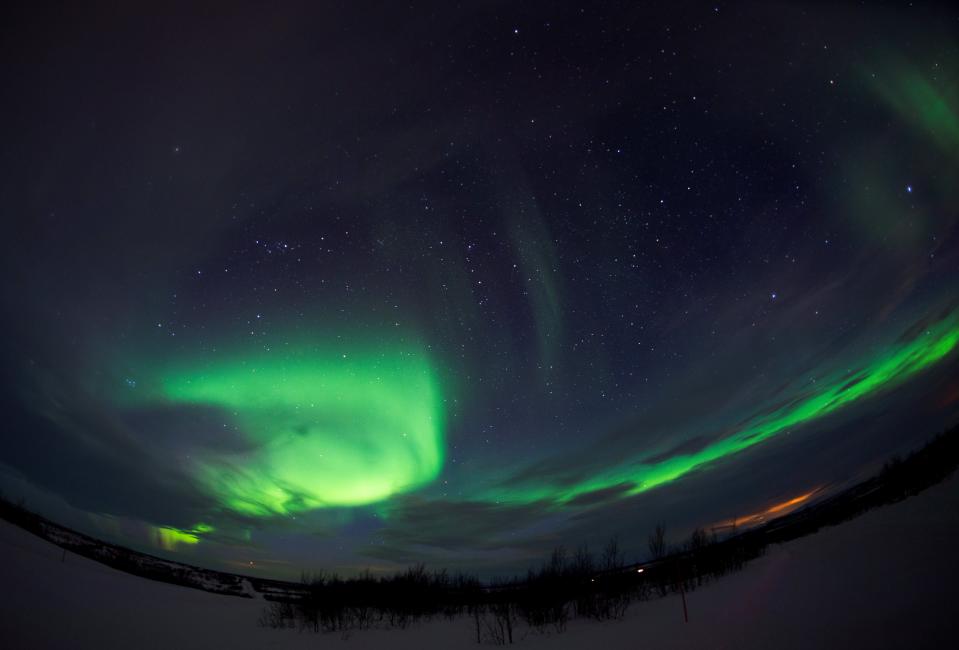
pixel 885 580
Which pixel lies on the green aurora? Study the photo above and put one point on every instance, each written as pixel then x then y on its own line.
pixel 330 430
pixel 169 538
pixel 333 430
pixel 325 429
pixel 890 368
pixel 929 105
pixel 479 349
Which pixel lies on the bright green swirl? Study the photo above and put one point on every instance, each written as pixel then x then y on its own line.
pixel 324 430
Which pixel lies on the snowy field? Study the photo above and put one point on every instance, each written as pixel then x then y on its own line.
pixel 889 579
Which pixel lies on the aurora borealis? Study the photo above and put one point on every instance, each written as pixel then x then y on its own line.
pixel 357 287
pixel 327 431
pixel 832 392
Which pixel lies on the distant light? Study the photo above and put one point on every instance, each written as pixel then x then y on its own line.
pixel 909 189
pixel 773 295
pixel 639 570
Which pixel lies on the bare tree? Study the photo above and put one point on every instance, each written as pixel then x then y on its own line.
pixel 698 540
pixel 657 542
pixel 612 559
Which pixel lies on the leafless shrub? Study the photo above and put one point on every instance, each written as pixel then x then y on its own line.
pixel 657 542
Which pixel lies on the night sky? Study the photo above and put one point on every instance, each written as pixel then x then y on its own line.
pixel 344 285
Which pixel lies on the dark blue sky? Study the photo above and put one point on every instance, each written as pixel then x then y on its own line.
pixel 606 265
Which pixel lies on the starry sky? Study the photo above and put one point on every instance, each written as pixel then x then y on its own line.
pixel 354 285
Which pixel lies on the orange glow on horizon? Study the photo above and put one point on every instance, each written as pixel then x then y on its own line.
pixel 761 517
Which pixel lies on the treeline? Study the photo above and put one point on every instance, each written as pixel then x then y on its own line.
pixel 898 479
pixel 568 585
pixel 579 584
pixel 142 564
pixel 565 586
pixel 333 604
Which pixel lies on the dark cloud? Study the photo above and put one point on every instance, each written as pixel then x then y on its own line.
pixel 80 451
pixel 460 526
pixel 684 448
pixel 922 325
pixel 207 429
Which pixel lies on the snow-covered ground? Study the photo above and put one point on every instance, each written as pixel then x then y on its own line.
pixel 889 579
